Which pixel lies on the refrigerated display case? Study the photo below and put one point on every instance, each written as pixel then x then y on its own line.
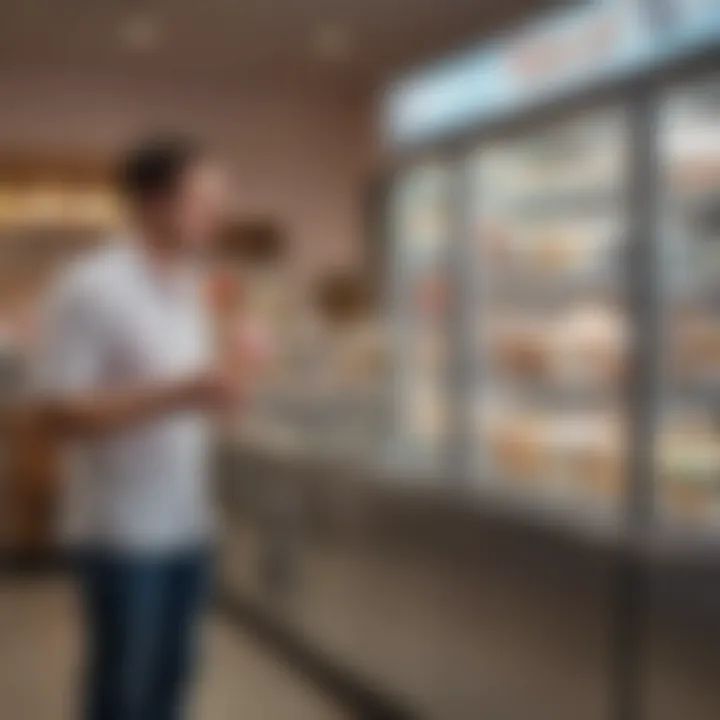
pixel 569 208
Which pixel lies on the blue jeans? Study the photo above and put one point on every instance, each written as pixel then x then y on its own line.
pixel 141 617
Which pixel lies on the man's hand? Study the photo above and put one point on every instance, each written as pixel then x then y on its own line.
pixel 215 390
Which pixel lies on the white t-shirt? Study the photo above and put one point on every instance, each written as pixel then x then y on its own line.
pixel 115 322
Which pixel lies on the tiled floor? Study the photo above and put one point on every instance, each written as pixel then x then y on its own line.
pixel 40 662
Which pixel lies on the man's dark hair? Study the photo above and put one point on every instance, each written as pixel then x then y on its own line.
pixel 154 167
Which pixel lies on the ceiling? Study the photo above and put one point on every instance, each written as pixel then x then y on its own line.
pixel 363 41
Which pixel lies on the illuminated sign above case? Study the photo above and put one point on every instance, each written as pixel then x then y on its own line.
pixel 546 60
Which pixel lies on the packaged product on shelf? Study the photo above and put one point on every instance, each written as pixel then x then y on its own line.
pixel 519 347
pixel 556 252
pixel 579 453
pixel 696 342
pixel 424 415
pixel 517 449
pixel 689 470
pixel 584 453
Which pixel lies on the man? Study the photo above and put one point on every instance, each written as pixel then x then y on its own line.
pixel 129 381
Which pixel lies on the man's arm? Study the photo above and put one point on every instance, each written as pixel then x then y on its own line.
pixel 100 412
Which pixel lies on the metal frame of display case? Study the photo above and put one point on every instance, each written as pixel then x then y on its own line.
pixel 638 540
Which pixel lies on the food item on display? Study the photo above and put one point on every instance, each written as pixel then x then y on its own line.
pixel 688 501
pixel 697 342
pixel 604 474
pixel 590 345
pixel 585 449
pixel 580 246
pixel 586 346
pixel 578 452
pixel 556 253
pixel 689 468
pixel 425 418
pixel 517 449
pixel 696 175
pixel 526 356
pixel 556 248
pixel 603 467
pixel 563 440
pixel 689 471
pixel 521 349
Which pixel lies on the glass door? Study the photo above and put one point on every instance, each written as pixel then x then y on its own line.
pixel 688 450
pixel 421 238
pixel 550 233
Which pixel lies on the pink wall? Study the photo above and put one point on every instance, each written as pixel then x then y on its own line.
pixel 302 157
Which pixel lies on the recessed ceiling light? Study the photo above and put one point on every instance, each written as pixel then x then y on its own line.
pixel 139 33
pixel 332 42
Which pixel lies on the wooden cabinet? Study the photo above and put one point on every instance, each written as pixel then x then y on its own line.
pixel 52 209
pixel 31 482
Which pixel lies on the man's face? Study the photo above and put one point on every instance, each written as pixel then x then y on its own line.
pixel 197 211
